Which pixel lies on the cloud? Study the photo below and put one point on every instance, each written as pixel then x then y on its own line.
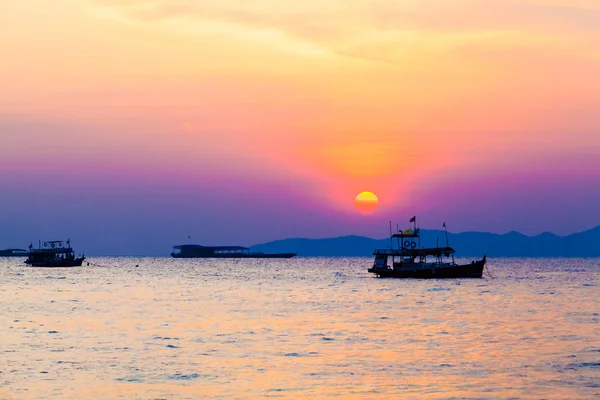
pixel 383 31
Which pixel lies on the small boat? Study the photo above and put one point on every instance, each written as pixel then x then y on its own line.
pixel 13 253
pixel 197 251
pixel 410 260
pixel 54 253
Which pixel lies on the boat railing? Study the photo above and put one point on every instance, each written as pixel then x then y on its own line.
pixel 390 252
pixel 413 235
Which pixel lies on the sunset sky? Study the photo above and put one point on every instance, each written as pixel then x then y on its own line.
pixel 129 125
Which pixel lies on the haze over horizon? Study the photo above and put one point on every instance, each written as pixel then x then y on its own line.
pixel 130 125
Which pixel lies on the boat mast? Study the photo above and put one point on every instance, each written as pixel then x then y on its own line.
pixel 417 232
pixel 391 245
pixel 448 243
pixel 446 229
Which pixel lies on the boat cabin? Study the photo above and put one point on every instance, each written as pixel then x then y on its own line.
pixel 197 251
pixel 410 255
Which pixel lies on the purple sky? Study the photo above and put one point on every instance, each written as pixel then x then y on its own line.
pixel 129 125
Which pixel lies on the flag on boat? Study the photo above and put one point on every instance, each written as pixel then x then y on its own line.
pixel 413 219
pixel 444 224
pixel 30 245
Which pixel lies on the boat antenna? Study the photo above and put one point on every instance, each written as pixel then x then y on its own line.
pixel 446 229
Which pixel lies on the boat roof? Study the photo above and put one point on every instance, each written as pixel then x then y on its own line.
pixel 406 235
pixel 197 246
pixel 53 250
pixel 430 251
pixel 55 243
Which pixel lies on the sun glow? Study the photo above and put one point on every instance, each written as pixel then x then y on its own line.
pixel 366 202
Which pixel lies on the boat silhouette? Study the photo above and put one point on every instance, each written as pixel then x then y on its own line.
pixel 410 260
pixel 197 251
pixel 13 253
pixel 55 253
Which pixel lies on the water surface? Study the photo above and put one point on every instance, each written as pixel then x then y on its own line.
pixel 154 328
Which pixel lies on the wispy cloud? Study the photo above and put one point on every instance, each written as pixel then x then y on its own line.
pixel 381 30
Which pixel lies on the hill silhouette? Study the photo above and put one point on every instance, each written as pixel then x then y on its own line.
pixel 512 244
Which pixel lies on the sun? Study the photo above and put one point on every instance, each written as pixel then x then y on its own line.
pixel 366 202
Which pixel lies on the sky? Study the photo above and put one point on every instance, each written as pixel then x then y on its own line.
pixel 130 125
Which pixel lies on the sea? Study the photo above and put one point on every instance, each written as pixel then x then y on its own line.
pixel 162 328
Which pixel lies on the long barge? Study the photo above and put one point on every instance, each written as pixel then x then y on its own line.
pixel 197 251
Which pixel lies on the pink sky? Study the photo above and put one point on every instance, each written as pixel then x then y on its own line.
pixel 239 122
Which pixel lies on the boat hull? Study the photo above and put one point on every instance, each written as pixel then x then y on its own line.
pixel 56 263
pixel 257 255
pixel 473 270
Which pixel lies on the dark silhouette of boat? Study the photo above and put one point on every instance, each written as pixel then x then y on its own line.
pixel 197 251
pixel 13 253
pixel 53 254
pixel 409 259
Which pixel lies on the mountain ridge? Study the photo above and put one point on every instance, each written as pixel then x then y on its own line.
pixel 468 244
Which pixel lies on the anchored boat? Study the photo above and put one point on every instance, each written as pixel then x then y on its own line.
pixel 13 253
pixel 197 251
pixel 54 253
pixel 410 260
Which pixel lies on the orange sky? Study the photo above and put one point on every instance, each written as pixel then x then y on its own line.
pixel 351 95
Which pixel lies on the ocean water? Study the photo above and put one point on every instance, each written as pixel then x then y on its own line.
pixel 160 328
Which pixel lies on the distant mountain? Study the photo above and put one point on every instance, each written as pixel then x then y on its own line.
pixel 512 244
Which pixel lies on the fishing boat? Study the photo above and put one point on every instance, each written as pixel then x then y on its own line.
pixel 197 251
pixel 56 253
pixel 410 260
pixel 13 253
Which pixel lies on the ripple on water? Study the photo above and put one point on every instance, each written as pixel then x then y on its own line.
pixel 131 380
pixel 183 377
pixel 583 365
